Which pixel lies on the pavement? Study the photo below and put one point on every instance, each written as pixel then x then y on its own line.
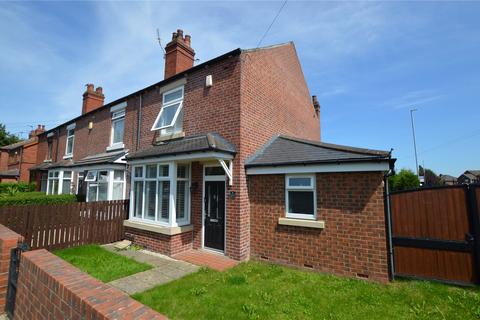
pixel 165 269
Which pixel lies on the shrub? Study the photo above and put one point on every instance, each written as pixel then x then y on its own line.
pixel 32 198
pixel 404 180
pixel 7 187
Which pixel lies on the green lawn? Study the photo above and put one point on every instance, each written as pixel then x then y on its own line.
pixel 100 263
pixel 256 290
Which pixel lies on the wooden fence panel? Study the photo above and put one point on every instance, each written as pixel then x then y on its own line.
pixel 66 225
pixel 433 233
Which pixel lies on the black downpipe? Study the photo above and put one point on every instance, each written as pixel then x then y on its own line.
pixel 139 122
pixel 388 225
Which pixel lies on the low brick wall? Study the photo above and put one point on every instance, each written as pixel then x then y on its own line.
pixel 50 288
pixel 8 241
pixel 353 242
pixel 161 243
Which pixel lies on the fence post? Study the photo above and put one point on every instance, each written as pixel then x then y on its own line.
pixel 475 227
pixel 92 216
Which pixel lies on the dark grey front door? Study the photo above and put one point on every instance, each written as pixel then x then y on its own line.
pixel 214 204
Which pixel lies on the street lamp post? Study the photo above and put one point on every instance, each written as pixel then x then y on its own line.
pixel 414 140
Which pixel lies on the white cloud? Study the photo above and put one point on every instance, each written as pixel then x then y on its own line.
pixel 414 99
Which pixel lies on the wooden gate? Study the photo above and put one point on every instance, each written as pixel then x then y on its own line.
pixel 436 233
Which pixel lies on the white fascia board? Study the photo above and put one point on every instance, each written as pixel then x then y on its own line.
pixel 181 157
pixel 118 107
pixel 99 167
pixel 318 168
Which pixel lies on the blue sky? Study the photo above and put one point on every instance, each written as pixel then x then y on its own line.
pixel 368 62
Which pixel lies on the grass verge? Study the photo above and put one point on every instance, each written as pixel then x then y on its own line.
pixel 256 290
pixel 100 263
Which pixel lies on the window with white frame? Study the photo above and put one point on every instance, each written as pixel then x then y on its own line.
pixel 53 182
pixel 59 182
pixel 300 196
pixel 170 118
pixel 118 185
pixel 161 193
pixel 118 128
pixel 70 141
pixel 103 185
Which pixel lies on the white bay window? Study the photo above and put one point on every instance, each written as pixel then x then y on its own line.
pixel 59 182
pixel 160 193
pixel 104 185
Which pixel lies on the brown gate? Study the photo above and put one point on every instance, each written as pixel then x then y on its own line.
pixel 435 233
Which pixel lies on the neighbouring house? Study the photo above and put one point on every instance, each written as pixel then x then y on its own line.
pixel 469 176
pixel 16 159
pixel 448 180
pixel 226 156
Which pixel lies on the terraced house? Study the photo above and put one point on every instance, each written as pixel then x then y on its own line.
pixel 226 156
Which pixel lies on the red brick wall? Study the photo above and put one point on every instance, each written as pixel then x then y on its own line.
pixel 8 241
pixel 3 160
pixel 161 243
pixel 50 288
pixel 353 242
pixel 29 159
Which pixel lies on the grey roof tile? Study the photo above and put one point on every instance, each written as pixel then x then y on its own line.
pixel 205 142
pixel 285 150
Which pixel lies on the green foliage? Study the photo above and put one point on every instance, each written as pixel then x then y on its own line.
pixel 7 187
pixel 30 198
pixel 430 177
pixel 100 263
pixel 403 180
pixel 276 292
pixel 6 137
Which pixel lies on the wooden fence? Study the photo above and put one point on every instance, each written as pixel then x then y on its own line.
pixel 436 233
pixel 67 225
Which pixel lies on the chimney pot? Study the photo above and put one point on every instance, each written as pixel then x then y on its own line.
pixel 99 90
pixel 187 39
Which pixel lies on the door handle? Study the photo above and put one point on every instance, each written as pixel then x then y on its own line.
pixel 469 237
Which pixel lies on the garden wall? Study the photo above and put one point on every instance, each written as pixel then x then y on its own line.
pixel 50 288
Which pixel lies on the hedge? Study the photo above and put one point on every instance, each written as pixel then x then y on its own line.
pixel 32 198
pixel 20 186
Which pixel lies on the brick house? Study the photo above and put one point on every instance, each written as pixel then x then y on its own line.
pixel 226 156
pixel 16 159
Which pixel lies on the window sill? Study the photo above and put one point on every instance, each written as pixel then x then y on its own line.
pixel 170 136
pixel 302 223
pixel 115 147
pixel 169 231
pixel 70 156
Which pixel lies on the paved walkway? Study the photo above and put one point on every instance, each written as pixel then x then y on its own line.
pixel 207 259
pixel 164 270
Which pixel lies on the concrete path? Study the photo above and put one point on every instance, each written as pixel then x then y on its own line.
pixel 164 270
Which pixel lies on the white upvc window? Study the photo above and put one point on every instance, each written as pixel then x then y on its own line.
pixel 103 185
pixel 160 193
pixel 70 141
pixel 300 196
pixel 170 118
pixel 59 182
pixel 118 129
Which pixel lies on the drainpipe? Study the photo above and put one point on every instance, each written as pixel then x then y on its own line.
pixel 139 122
pixel 388 220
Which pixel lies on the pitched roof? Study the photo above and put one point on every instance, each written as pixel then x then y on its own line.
pixel 474 172
pixel 198 143
pixel 19 144
pixel 10 173
pixel 96 159
pixel 447 177
pixel 286 150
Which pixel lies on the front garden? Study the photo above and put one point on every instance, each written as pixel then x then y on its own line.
pixel 258 290
pixel 21 193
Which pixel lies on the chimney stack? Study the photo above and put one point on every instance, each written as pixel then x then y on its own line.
pixel 40 129
pixel 179 56
pixel 92 98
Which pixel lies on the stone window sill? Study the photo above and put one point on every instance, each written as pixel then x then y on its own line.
pixel 169 231
pixel 117 146
pixel 302 223
pixel 68 156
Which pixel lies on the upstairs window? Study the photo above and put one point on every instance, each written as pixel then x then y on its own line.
pixel 170 118
pixel 70 140
pixel 118 126
pixel 49 148
pixel 300 196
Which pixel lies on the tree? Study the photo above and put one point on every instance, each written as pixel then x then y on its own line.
pixel 6 137
pixel 430 178
pixel 403 180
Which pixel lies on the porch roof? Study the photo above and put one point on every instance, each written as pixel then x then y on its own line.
pixel 10 173
pixel 91 160
pixel 194 144
pixel 286 150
